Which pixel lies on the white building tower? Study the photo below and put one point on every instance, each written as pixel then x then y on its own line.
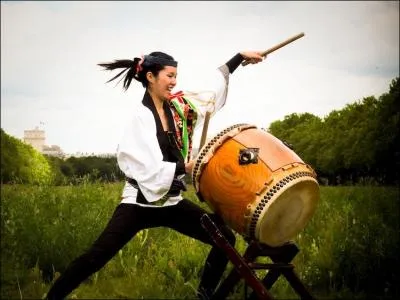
pixel 36 138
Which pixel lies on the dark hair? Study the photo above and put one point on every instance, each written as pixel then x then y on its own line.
pixel 132 69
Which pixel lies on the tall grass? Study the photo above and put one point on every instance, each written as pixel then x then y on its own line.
pixel 349 249
pixel 352 242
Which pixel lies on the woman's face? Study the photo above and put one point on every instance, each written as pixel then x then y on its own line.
pixel 164 82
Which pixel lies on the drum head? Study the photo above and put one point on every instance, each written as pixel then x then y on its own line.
pixel 288 214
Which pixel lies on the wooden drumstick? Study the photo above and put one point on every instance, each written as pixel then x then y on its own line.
pixel 280 45
pixel 205 129
pixel 266 52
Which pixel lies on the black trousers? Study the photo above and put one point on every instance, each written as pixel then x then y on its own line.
pixel 126 221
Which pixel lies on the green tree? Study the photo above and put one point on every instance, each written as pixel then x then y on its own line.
pixel 21 163
pixel 355 144
pixel 55 164
pixel 387 136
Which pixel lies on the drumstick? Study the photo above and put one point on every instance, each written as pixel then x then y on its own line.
pixel 270 50
pixel 266 52
pixel 205 129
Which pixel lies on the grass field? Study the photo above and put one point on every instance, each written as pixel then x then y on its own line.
pixel 348 250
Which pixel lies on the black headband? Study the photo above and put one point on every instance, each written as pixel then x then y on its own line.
pixel 158 60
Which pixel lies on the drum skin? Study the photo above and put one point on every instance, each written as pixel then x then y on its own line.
pixel 270 199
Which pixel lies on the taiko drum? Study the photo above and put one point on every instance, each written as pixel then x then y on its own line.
pixel 258 185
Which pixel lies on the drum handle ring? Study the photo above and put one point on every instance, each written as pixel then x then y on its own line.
pixel 248 156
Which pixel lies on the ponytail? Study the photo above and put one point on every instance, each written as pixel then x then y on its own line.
pixel 129 66
pixel 138 67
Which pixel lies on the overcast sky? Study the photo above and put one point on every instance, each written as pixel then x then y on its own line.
pixel 49 52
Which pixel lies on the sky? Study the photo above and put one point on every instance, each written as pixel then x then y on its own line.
pixel 50 51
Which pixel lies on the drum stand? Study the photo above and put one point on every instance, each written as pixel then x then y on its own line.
pixel 244 266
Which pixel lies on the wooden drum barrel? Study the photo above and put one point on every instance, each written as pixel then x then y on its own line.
pixel 259 186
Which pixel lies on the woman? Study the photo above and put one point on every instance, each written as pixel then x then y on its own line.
pixel 154 154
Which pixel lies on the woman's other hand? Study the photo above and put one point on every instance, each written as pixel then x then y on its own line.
pixel 189 167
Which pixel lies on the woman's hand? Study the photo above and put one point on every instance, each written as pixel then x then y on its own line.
pixel 189 167
pixel 252 57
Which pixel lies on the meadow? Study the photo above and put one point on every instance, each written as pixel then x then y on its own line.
pixel 348 250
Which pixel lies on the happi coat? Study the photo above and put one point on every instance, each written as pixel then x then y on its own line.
pixel 145 155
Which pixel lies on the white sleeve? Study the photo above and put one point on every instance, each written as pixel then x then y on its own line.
pixel 139 156
pixel 212 94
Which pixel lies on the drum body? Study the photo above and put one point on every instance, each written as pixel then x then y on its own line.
pixel 259 186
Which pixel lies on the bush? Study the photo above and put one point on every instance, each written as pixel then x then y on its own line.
pixel 21 163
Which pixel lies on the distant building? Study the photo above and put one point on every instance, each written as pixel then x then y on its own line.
pixel 53 150
pixel 77 154
pixel 90 154
pixel 37 139
pixel 106 155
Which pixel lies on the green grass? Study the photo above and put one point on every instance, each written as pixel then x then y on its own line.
pixel 348 250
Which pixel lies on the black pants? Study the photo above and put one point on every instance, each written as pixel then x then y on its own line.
pixel 126 221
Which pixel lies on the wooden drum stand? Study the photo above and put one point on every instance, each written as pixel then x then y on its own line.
pixel 244 266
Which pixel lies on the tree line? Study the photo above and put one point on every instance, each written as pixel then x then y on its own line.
pixel 357 144
pixel 74 170
pixel 21 163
